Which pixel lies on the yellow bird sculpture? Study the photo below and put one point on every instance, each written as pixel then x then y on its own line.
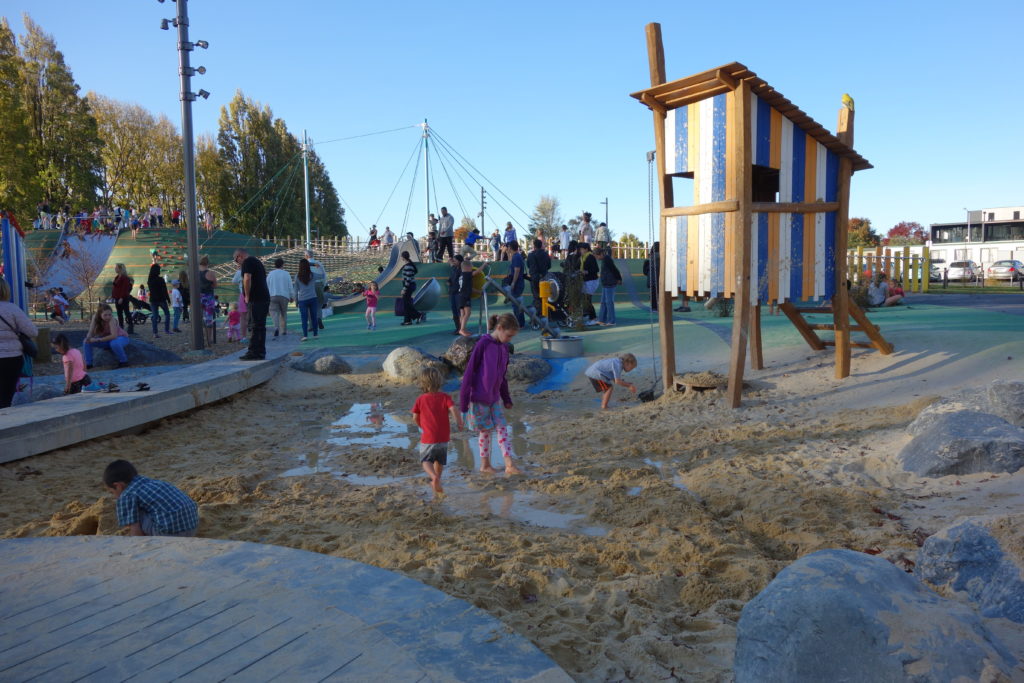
pixel 847 101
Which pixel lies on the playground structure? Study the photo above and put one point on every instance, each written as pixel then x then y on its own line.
pixel 13 241
pixel 770 208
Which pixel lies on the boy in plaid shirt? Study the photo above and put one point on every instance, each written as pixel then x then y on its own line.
pixel 149 507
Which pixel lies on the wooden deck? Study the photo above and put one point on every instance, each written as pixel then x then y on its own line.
pixel 158 609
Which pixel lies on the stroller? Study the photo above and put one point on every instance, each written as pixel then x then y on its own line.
pixel 140 311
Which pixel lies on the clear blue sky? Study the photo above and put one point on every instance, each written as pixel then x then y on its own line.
pixel 535 94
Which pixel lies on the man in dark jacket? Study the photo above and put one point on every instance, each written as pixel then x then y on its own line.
pixel 158 298
pixel 454 281
pixel 257 296
pixel 591 281
pixel 538 263
pixel 610 279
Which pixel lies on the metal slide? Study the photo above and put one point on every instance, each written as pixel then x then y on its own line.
pixel 77 262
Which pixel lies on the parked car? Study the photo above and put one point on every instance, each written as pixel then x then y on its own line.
pixel 964 270
pixel 1006 270
pixel 935 272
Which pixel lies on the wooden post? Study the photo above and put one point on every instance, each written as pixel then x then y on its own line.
pixel 860 260
pixel 906 262
pixel 656 62
pixel 926 269
pixel 738 164
pixel 841 300
pixel 756 352
pixel 887 264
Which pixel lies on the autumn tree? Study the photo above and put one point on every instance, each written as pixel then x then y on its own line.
pixel 906 233
pixel 861 234
pixel 467 226
pixel 19 191
pixel 64 144
pixel 545 220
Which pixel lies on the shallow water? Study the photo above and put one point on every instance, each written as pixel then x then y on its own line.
pixel 467 492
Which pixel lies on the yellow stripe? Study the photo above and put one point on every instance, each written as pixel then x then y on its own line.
pixel 773 257
pixel 692 236
pixel 775 142
pixel 693 141
pixel 732 131
pixel 810 189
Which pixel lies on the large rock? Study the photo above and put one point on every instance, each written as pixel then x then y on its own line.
pixel 459 351
pixel 40 392
pixel 962 442
pixel 1007 401
pixel 526 368
pixel 839 615
pixel 407 362
pixel 323 362
pixel 138 351
pixel 980 559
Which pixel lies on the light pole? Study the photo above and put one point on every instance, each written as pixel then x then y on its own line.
pixel 605 202
pixel 185 72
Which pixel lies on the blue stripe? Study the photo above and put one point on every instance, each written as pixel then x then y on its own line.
pixel 796 233
pixel 718 145
pixel 762 146
pixel 762 257
pixel 682 138
pixel 831 194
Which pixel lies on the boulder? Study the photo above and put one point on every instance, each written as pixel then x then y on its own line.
pixel 839 615
pixel 962 442
pixel 458 352
pixel 406 362
pixel 323 362
pixel 981 560
pixel 139 352
pixel 40 392
pixel 526 369
pixel 1007 401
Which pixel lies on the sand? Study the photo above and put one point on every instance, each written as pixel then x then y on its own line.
pixel 628 548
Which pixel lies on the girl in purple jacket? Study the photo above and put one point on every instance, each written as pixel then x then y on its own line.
pixel 485 390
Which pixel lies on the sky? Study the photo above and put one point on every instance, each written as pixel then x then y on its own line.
pixel 535 95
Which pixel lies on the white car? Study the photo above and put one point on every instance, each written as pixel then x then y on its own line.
pixel 964 270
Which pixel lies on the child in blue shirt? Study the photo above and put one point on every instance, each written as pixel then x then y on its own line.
pixel 149 507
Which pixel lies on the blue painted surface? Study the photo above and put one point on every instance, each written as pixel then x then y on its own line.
pixel 831 195
pixel 762 256
pixel 563 372
pixel 682 138
pixel 718 170
pixel 796 240
pixel 762 145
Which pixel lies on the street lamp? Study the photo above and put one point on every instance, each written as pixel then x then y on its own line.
pixel 968 225
pixel 185 72
pixel 605 202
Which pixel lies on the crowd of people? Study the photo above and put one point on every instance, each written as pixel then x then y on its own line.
pixel 104 219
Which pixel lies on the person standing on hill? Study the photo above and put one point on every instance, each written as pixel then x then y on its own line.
pixel 257 296
pixel 280 285
pixel 409 311
pixel 445 234
pixel 538 263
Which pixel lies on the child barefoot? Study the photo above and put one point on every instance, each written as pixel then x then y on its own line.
pixel 606 373
pixel 75 376
pixel 431 412
pixel 234 324
pixel 484 384
pixel 371 294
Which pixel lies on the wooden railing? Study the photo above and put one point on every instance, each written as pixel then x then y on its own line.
pixel 911 271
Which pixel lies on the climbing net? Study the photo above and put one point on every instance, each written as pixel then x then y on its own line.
pixel 341 263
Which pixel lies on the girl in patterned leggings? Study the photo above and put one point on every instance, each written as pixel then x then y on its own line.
pixel 485 390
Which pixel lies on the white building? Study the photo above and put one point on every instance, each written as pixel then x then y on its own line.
pixel 985 236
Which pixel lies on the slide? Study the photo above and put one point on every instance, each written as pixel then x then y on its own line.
pixel 391 271
pixel 76 263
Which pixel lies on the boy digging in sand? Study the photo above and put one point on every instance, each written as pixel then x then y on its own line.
pixel 431 412
pixel 606 373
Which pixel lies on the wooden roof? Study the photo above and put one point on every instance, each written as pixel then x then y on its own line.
pixel 725 78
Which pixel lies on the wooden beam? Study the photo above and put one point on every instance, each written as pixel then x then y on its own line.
pixel 653 104
pixel 700 209
pixel 809 335
pixel 675 101
pixel 841 300
pixel 830 326
pixel 738 163
pixel 873 332
pixel 756 351
pixel 859 345
pixel 794 207
pixel 726 80
pixel 844 129
pixel 666 334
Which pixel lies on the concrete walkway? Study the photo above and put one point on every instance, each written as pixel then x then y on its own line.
pixel 113 608
pixel 58 422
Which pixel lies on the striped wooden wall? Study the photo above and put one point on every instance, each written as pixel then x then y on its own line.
pixel 793 255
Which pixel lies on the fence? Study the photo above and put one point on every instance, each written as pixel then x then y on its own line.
pixel 911 271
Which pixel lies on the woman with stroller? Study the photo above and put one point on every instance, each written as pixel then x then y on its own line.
pixel 122 295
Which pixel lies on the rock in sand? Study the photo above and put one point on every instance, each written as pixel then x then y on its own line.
pixel 1007 401
pixel 406 362
pixel 458 352
pixel 962 442
pixel 323 362
pixel 526 368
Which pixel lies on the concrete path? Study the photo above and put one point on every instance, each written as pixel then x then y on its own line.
pixel 114 608
pixel 58 422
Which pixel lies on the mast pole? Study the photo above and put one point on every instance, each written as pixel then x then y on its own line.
pixel 426 165
pixel 305 173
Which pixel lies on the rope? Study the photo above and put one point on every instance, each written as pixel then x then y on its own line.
pixel 458 197
pixel 412 186
pixel 364 135
pixel 493 198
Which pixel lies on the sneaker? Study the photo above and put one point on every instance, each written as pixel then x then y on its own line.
pixel 156 336
pixel 277 332
pixel 250 356
pixel 406 323
pixel 301 339
pixel 92 388
pixel 320 324
pixel 369 327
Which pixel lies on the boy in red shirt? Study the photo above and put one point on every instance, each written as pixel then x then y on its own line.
pixel 431 412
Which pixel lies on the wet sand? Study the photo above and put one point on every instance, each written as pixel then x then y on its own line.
pixel 627 549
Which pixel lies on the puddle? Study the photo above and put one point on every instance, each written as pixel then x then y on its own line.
pixel 369 424
pixel 563 372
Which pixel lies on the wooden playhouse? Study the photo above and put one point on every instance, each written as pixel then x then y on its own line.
pixel 769 213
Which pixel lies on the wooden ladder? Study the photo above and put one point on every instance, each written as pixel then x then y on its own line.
pixel 810 335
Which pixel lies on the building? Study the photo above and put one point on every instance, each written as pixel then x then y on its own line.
pixel 985 236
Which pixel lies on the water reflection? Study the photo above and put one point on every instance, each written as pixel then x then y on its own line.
pixel 467 492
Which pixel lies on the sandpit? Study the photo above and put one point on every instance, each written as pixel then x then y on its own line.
pixel 627 549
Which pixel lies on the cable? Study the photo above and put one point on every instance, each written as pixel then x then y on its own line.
pixel 458 197
pixel 365 135
pixel 352 211
pixel 415 151
pixel 507 212
pixel 412 186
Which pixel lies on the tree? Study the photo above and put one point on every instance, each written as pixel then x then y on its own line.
pixel 18 188
pixel 861 234
pixel 208 172
pixel 545 220
pixel 65 146
pixel 906 233
pixel 630 240
pixel 467 226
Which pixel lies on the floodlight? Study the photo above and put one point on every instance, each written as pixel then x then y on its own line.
pixel 164 24
pixel 202 43
pixel 202 93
